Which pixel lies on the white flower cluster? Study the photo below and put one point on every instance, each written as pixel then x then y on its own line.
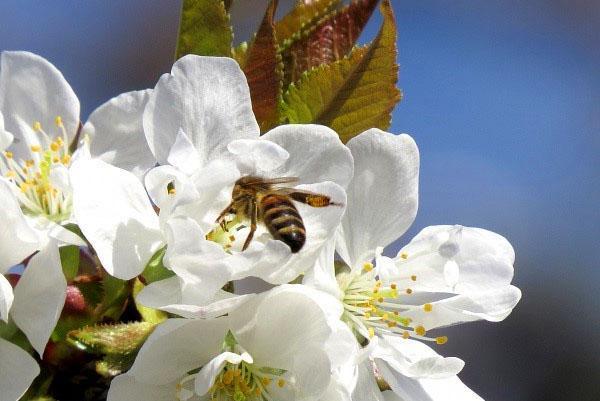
pixel 160 168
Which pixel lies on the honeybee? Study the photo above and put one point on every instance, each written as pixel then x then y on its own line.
pixel 262 200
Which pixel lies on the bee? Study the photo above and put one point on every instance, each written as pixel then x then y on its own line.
pixel 262 200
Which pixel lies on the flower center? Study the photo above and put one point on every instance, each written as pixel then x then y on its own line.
pixel 242 381
pixel 371 307
pixel 38 195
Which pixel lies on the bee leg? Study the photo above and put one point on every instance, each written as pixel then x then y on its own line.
pixel 312 199
pixel 253 218
pixel 221 219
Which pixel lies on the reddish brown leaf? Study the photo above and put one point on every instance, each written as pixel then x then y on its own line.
pixel 303 18
pixel 263 72
pixel 331 40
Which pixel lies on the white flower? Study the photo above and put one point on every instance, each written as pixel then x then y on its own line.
pixel 199 124
pixel 445 275
pixel 279 346
pixel 39 120
pixel 17 371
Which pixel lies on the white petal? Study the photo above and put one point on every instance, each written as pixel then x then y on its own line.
pixel 116 133
pixel 322 275
pixel 17 371
pixel 126 388
pixel 255 155
pixel 411 358
pixel 366 386
pixel 183 154
pixel 6 138
pixel 59 177
pixel 200 263
pixel 456 259
pixel 410 389
pixel 178 346
pixel 491 305
pixel 208 98
pixel 209 372
pixel 295 313
pixel 115 215
pixel 32 89
pixel 169 296
pixel 316 154
pixel 383 195
pixel 17 239
pixel 157 181
pixel 6 297
pixel 40 296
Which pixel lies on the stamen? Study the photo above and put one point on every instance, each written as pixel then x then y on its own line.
pixel 37 126
pixel 404 255
pixel 441 340
pixel 427 307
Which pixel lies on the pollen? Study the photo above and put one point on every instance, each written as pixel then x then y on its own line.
pixel 427 307
pixel 371 332
pixel 9 155
pixel 420 330
pixel 280 382
pixel 37 126
pixel 406 335
pixel 441 340
pixel 265 381
pixel 368 266
pixel 54 146
pixel 228 377
pixel 409 291
pixel 413 277
pixel 58 121
pixel 11 174
pixel 172 191
pixel 66 159
pixel 393 286
pixel 36 148
pixel 404 255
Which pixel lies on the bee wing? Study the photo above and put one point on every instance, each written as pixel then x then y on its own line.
pixel 274 181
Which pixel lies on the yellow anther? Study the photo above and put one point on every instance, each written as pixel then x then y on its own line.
pixel 11 174
pixel 66 159
pixel 55 159
pixel 29 163
pixel 375 290
pixel 380 299
pixel 35 148
pixel 58 121
pixel 9 155
pixel 441 340
pixel 54 146
pixel 37 126
pixel 406 335
pixel 367 315
pixel 59 140
pixel 257 391
pixel 404 255
pixel 427 307
pixel 396 313
pixel 371 332
pixel 408 291
pixel 393 286
pixel 378 283
pixel 420 330
pixel 368 266
pixel 265 381
pixel 413 277
pixel 172 191
pixel 385 316
pixel 232 238
pixel 281 382
pixel 236 373
pixel 228 377
pixel 391 324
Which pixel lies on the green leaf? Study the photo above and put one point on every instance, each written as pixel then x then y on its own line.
pixel 353 94
pixel 330 40
pixel 263 72
pixel 115 297
pixel 69 258
pixel 148 314
pixel 115 364
pixel 204 29
pixel 303 18
pixel 155 270
pixel 122 338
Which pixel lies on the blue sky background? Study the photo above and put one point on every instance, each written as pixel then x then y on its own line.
pixel 503 99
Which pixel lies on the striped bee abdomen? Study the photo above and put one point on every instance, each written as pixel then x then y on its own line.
pixel 283 221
